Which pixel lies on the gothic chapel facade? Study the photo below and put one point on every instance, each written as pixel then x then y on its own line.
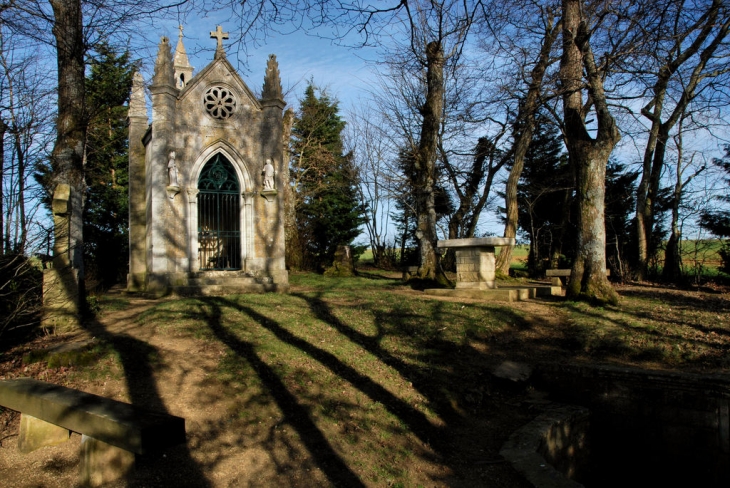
pixel 206 179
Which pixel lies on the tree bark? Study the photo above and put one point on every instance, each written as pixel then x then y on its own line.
pixel 3 127
pixel 653 162
pixel 293 249
pixel 68 152
pixel 525 120
pixel 21 236
pixel 588 275
pixel 425 165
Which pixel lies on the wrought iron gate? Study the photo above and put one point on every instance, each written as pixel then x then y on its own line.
pixel 219 233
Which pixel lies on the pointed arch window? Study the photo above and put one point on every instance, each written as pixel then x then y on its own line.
pixel 219 234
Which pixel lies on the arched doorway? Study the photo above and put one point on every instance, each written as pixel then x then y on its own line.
pixel 219 231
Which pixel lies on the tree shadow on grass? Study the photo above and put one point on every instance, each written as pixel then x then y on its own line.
pixel 175 465
pixel 453 382
pixel 294 413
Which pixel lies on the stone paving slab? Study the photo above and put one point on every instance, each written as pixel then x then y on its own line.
pixel 494 294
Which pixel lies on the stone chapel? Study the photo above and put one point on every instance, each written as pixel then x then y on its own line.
pixel 206 179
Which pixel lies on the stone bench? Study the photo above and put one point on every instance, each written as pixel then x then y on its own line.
pixel 556 274
pixel 112 432
pixel 475 261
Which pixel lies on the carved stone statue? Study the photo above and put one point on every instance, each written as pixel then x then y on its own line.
pixel 268 173
pixel 172 170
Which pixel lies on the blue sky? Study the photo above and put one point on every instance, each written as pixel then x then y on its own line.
pixel 343 71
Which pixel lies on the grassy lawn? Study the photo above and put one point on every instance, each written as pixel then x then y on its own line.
pixel 365 382
pixel 372 382
pixel 376 381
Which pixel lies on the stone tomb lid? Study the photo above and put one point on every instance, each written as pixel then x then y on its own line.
pixel 477 242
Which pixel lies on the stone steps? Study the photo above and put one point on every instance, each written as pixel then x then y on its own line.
pixel 216 283
pixel 219 290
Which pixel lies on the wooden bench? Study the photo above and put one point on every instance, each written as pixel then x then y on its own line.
pixel 112 432
pixel 556 274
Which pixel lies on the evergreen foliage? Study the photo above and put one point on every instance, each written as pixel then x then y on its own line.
pixel 718 221
pixel 328 211
pixel 620 203
pixel 544 194
pixel 106 213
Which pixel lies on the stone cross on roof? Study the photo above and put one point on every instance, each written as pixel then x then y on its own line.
pixel 220 35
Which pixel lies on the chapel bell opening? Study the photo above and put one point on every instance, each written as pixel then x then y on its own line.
pixel 219 222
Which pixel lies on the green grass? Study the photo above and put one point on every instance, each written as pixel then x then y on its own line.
pixel 367 364
pixel 387 376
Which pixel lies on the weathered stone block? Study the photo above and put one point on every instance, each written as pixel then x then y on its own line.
pixel 36 433
pixel 102 463
pixel 60 300
pixel 61 199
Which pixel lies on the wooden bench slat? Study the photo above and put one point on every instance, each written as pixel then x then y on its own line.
pixel 120 424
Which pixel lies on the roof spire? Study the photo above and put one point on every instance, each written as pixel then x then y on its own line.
pixel 164 73
pixel 183 70
pixel 137 105
pixel 272 80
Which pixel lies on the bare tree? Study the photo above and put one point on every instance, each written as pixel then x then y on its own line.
pixel 372 150
pixel 71 27
pixel 589 155
pixel 524 124
pixel 672 270
pixel 686 57
pixel 26 112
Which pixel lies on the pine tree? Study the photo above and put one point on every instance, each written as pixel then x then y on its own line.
pixel 620 201
pixel 718 221
pixel 327 208
pixel 107 202
pixel 544 195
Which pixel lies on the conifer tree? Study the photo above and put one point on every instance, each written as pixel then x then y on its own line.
pixel 327 207
pixel 107 201
pixel 620 202
pixel 544 184
pixel 717 221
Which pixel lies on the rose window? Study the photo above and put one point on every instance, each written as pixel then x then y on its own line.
pixel 220 102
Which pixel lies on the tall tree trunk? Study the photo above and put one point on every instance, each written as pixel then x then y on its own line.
pixel 293 249
pixel 67 164
pixel 21 235
pixel 672 270
pixel 590 156
pixel 425 165
pixel 653 163
pixel 526 122
pixel 3 128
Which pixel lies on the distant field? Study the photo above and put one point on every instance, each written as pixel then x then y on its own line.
pixel 702 254
pixel 519 256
